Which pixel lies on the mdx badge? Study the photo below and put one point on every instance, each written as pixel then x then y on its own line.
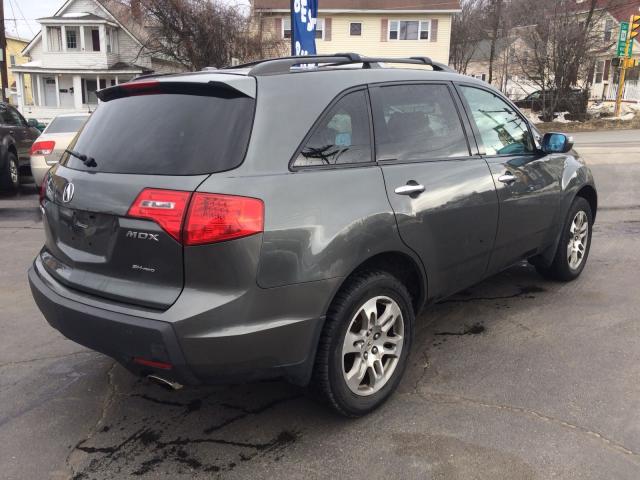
pixel 67 193
pixel 143 235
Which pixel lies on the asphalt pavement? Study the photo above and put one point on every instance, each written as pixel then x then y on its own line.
pixel 515 378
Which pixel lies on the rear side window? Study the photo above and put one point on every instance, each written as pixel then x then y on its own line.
pixel 502 130
pixel 166 134
pixel 343 135
pixel 417 122
pixel 66 124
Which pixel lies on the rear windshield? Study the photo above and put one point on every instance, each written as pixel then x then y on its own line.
pixel 66 124
pixel 166 134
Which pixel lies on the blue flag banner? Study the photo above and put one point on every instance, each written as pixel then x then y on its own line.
pixel 304 16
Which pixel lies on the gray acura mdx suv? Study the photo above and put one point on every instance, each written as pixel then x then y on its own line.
pixel 273 220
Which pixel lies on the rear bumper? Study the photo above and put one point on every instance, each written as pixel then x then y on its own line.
pixel 254 350
pixel 39 168
pixel 119 336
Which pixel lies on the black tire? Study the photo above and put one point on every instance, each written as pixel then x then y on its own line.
pixel 328 376
pixel 10 177
pixel 560 268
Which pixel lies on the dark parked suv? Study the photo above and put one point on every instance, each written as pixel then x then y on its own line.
pixel 16 139
pixel 276 221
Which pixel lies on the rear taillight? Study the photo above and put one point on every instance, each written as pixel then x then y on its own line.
pixel 210 217
pixel 165 207
pixel 215 218
pixel 42 148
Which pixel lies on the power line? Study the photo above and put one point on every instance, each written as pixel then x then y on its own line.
pixel 15 24
pixel 25 18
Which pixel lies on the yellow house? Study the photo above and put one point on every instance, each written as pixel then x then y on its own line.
pixel 376 28
pixel 15 45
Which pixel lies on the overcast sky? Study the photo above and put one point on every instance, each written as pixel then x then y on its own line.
pixel 20 15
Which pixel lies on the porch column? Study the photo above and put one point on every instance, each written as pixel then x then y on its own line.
pixel 77 92
pixel 117 83
pixel 34 89
pixel 64 38
pixel 20 90
pixel 82 38
pixel 57 91
pixel 97 86
pixel 40 91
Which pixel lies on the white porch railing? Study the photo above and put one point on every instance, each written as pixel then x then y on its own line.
pixel 631 91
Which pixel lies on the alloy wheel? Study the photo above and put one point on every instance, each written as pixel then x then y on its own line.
pixel 13 172
pixel 372 345
pixel 579 235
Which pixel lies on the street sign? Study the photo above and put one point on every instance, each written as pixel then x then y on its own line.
pixel 622 39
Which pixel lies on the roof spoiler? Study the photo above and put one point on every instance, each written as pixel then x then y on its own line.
pixel 284 64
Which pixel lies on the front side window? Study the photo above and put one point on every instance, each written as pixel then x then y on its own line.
pixel 416 123
pixel 343 135
pixel 355 29
pixel 10 116
pixel 409 30
pixel 502 130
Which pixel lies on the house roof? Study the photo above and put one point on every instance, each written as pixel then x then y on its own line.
pixel 622 10
pixel 383 5
pixel 86 16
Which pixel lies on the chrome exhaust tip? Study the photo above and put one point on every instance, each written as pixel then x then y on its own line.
pixel 164 383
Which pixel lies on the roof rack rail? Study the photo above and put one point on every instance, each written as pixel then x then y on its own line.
pixel 284 64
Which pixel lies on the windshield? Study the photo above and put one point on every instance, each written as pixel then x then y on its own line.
pixel 66 124
pixel 166 134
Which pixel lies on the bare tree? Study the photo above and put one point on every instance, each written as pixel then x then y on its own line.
pixel 467 32
pixel 562 48
pixel 201 33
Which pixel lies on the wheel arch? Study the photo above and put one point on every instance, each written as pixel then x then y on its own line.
pixel 590 195
pixel 401 265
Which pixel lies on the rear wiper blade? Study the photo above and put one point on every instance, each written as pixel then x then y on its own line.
pixel 88 161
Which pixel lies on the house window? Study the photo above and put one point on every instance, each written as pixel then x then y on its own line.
pixel 54 39
pixel 12 60
pixel 112 41
pixel 72 34
pixel 286 28
pixel 608 30
pixel 355 29
pixel 599 73
pixel 409 30
pixel 92 39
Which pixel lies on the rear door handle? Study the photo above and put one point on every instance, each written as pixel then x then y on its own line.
pixel 507 178
pixel 409 189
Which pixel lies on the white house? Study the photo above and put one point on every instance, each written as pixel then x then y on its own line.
pixel 85 46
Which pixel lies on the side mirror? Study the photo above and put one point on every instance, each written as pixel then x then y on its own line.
pixel 32 122
pixel 556 143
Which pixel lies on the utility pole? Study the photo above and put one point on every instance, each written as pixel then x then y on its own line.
pixel 633 28
pixel 3 46
pixel 497 12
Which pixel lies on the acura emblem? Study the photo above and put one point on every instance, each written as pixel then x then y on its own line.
pixel 67 193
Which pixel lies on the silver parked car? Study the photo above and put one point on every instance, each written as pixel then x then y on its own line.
pixel 54 140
